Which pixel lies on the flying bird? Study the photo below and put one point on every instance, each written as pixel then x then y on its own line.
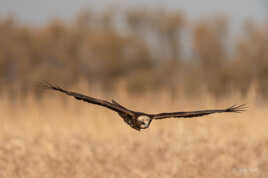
pixel 140 120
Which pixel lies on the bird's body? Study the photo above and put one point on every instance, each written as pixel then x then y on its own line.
pixel 137 122
pixel 140 120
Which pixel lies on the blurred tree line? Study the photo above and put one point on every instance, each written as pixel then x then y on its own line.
pixel 142 47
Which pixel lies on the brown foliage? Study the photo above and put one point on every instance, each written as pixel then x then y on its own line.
pixel 142 47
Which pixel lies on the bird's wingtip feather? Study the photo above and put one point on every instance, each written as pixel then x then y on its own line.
pixel 45 85
pixel 237 108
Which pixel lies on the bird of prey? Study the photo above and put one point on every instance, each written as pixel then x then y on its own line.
pixel 140 120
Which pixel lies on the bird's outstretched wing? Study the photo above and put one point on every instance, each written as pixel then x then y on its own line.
pixel 112 106
pixel 234 108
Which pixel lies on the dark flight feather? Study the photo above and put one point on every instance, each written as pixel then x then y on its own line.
pixel 88 99
pixel 234 108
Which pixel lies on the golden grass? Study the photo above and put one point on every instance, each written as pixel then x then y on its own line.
pixel 68 138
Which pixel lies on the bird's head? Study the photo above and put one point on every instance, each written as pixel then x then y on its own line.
pixel 144 121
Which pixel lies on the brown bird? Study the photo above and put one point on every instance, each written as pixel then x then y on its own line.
pixel 140 120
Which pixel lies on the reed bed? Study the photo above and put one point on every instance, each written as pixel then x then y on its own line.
pixel 61 137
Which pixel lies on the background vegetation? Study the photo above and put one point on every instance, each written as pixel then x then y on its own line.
pixel 148 50
pixel 77 140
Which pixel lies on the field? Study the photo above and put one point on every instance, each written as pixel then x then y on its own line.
pixel 62 137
